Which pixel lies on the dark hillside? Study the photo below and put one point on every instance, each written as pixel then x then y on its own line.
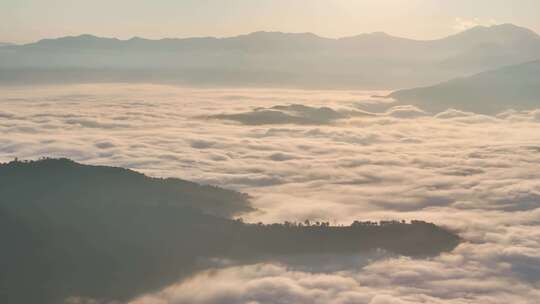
pixel 108 233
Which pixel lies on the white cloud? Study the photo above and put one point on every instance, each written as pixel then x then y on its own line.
pixel 473 173
pixel 461 24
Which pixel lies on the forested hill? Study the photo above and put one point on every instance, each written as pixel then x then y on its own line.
pixel 51 181
pixel 113 234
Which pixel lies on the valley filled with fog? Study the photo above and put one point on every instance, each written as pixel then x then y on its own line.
pixel 331 156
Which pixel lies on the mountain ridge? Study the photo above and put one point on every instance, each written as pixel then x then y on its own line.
pixel 272 59
pixel 514 87
pixel 477 29
pixel 112 234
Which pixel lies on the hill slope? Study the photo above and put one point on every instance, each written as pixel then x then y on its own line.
pixel 108 243
pixel 53 180
pixel 514 87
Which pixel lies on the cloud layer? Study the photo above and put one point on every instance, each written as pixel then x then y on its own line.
pixel 476 174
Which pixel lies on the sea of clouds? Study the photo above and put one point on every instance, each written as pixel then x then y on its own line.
pixel 335 156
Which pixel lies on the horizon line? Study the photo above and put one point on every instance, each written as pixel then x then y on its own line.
pixel 267 32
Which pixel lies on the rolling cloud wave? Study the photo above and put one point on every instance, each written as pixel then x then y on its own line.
pixel 474 173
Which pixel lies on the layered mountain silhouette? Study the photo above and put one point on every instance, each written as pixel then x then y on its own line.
pixel 289 114
pixel 72 230
pixel 514 87
pixel 375 60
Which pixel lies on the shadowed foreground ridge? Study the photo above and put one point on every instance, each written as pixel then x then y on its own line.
pixel 113 234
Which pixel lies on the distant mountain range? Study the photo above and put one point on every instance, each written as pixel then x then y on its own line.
pixel 373 61
pixel 514 87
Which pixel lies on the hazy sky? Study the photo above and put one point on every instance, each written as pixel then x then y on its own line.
pixel 29 20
